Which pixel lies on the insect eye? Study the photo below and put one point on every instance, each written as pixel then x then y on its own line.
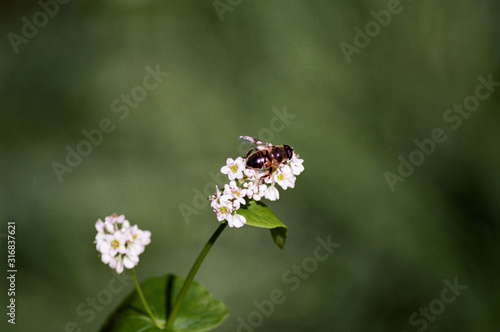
pixel 289 151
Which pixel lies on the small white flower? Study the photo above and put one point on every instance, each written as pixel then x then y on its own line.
pixel 139 240
pixel 222 206
pixel 254 190
pixel 119 244
pixel 272 193
pixel 249 173
pixel 235 192
pixel 215 197
pixel 116 219
pixel 236 220
pixel 234 168
pixel 223 212
pixel 219 209
pixel 129 261
pixel 106 258
pixel 116 263
pixel 111 221
pixel 296 164
pixel 285 178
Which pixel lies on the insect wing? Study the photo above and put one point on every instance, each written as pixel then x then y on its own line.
pixel 252 141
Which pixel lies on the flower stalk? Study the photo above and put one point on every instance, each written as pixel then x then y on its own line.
pixel 191 275
pixel 143 300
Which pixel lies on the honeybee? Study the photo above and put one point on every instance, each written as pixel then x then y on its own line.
pixel 265 157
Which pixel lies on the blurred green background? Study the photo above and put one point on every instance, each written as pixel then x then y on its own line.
pixel 232 69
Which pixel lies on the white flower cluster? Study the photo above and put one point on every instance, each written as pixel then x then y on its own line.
pixel 253 184
pixel 119 243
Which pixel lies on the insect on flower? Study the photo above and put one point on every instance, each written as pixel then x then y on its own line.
pixel 266 158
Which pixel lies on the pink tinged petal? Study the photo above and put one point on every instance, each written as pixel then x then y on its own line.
pixel 224 170
pixel 214 205
pixel 121 219
pixel 227 189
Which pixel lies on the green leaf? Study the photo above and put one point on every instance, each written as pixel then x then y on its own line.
pixel 199 311
pixel 259 215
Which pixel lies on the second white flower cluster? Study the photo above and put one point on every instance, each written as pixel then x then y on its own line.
pixel 252 184
pixel 119 243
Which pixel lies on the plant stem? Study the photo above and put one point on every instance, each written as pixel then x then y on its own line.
pixel 191 274
pixel 143 300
